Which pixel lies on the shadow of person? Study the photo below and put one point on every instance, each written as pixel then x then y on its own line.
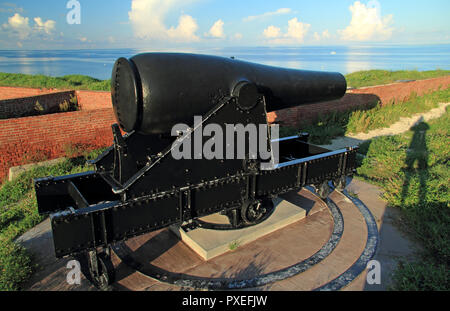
pixel 416 163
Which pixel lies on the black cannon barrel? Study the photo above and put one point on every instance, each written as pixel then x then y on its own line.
pixel 152 92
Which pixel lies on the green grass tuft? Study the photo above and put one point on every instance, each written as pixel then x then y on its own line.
pixel 421 276
pixel 234 245
pixel 73 82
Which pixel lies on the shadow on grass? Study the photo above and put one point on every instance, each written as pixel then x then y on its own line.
pixel 417 153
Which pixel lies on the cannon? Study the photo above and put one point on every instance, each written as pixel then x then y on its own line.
pixel 169 168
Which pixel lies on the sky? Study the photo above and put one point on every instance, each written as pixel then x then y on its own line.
pixel 156 24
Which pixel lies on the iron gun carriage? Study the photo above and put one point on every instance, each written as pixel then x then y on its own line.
pixel 166 103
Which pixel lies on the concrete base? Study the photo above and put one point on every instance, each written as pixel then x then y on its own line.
pixel 212 243
pixel 15 171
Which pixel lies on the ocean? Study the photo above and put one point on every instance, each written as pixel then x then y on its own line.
pixel 343 59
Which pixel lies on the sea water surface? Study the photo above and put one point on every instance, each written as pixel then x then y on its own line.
pixel 343 59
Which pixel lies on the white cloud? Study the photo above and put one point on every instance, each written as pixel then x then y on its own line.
pixel 267 14
pixel 316 36
pixel 367 23
pixel 10 8
pixel 216 30
pixel 147 20
pixel 18 25
pixel 295 34
pixel 187 26
pixel 46 27
pixel 272 32
pixel 297 30
pixel 325 35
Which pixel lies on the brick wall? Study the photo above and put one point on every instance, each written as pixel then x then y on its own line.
pixel 91 100
pixel 401 91
pixel 7 92
pixel 46 136
pixel 358 98
pixel 28 106
pixel 87 100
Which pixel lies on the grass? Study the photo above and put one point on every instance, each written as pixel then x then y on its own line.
pixel 73 82
pixel 80 82
pixel 378 77
pixel 71 105
pixel 18 213
pixel 332 125
pixel 413 170
pixel 234 245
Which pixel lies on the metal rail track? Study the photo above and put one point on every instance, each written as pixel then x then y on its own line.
pixel 369 250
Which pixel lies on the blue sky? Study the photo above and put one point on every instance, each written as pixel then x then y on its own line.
pixel 30 24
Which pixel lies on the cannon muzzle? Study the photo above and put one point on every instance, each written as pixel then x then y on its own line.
pixel 154 91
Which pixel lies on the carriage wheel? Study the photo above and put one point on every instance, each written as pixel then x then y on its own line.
pixel 340 183
pixel 101 269
pixel 253 212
